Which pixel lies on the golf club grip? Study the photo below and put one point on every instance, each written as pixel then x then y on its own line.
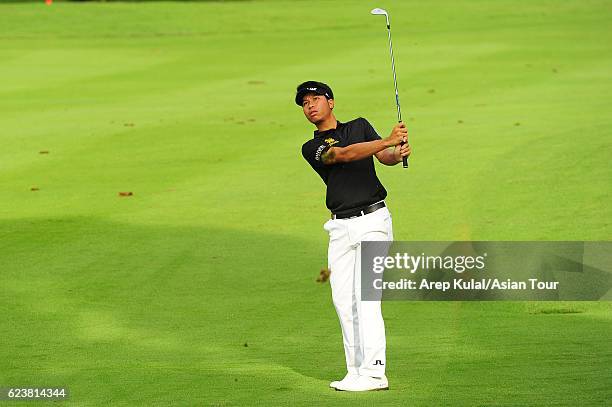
pixel 404 159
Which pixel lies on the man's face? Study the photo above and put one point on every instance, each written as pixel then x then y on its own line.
pixel 316 107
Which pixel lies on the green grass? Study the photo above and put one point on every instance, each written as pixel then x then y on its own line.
pixel 150 299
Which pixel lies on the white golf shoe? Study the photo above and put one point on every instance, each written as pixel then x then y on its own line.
pixel 348 378
pixel 364 383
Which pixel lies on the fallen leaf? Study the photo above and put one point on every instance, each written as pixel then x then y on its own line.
pixel 323 275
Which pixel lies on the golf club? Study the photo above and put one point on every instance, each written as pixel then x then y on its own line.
pixel 380 12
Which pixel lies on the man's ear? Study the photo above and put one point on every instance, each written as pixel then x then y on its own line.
pixel 330 102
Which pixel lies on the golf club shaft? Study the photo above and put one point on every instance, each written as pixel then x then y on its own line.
pixel 397 103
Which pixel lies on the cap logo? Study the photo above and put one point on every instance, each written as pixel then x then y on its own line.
pixel 317 90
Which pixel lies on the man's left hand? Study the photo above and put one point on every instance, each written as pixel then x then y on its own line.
pixel 402 150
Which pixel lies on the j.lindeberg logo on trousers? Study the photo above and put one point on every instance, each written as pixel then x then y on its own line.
pixel 378 363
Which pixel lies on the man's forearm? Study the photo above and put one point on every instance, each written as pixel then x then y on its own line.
pixel 359 151
pixel 388 157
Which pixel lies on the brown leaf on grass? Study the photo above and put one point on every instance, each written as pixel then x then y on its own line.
pixel 125 194
pixel 43 152
pixel 323 275
pixel 34 189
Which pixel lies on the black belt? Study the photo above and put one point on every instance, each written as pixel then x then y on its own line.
pixel 359 212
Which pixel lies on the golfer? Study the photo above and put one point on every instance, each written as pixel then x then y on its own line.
pixel 341 153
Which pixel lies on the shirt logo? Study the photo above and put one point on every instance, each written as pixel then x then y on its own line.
pixel 318 152
pixel 330 141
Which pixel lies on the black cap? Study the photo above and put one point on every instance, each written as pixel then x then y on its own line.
pixel 312 87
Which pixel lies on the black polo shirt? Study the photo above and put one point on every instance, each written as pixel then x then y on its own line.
pixel 353 184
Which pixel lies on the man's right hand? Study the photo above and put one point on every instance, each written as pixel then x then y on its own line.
pixel 398 135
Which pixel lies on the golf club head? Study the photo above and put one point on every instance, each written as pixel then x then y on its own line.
pixel 381 12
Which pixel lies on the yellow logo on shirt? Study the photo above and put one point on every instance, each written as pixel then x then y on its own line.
pixel 330 141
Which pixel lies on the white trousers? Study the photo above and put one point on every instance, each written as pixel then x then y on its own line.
pixel 363 328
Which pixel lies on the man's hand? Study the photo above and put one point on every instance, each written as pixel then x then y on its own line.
pixel 398 135
pixel 398 139
pixel 402 150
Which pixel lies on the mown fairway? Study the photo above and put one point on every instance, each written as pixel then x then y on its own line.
pixel 199 289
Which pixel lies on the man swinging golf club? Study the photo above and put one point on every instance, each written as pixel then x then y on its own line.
pixel 341 153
